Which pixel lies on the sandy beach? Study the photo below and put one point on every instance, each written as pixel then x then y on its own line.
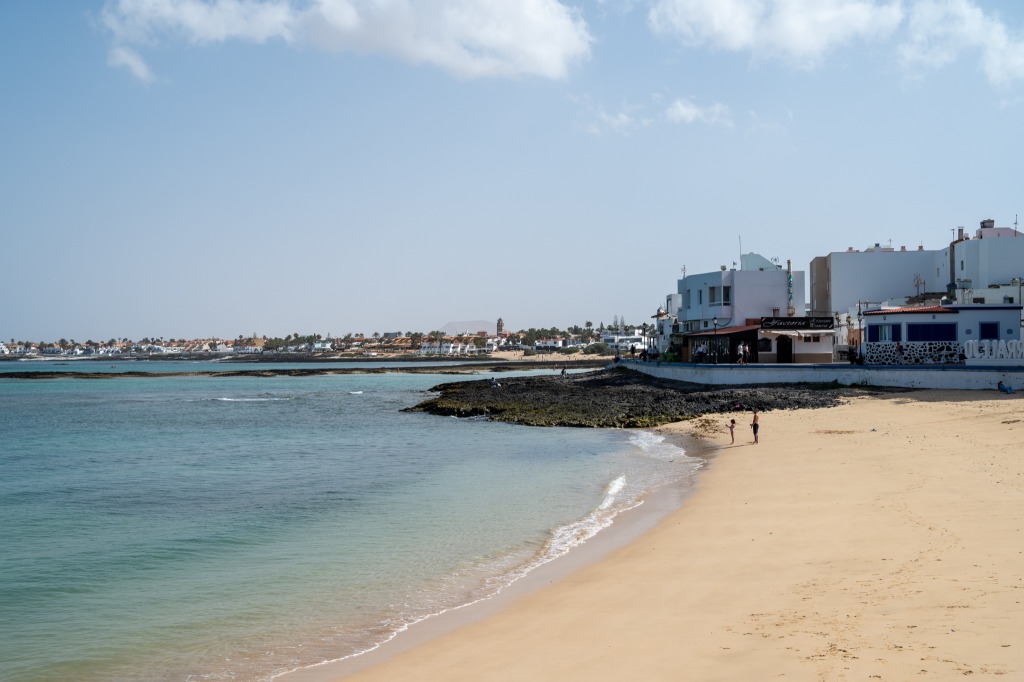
pixel 879 540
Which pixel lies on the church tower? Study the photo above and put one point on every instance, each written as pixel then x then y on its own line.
pixel 501 326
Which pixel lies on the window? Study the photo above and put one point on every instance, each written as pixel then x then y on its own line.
pixel 700 296
pixel 934 331
pixel 687 298
pixel 988 330
pixel 712 295
pixel 883 333
pixel 726 295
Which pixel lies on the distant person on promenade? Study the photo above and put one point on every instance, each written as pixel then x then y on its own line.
pixel 732 431
pixel 1003 388
pixel 754 425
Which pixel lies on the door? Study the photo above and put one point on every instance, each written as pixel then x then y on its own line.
pixel 785 349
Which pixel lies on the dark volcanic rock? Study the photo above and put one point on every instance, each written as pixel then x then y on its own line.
pixel 615 398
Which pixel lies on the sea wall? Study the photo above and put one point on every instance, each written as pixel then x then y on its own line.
pixel 936 376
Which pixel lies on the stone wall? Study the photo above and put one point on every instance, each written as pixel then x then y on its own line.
pixel 907 376
pixel 917 353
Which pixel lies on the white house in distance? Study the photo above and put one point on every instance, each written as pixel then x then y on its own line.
pixel 718 310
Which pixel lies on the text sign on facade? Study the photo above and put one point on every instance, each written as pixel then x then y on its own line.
pixel 798 323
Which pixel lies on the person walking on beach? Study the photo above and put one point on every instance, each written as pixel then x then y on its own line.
pixel 754 425
pixel 732 432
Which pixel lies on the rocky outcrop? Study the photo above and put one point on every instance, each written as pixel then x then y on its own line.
pixel 615 398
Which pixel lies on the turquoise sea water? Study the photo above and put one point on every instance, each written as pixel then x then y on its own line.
pixel 233 528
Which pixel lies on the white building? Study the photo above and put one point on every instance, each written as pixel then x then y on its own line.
pixel 992 260
pixel 880 273
pixel 721 309
pixel 985 269
pixel 946 334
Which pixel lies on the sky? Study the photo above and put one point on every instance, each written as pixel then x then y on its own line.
pixel 198 168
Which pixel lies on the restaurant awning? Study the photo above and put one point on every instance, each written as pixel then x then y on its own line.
pixel 774 333
pixel 727 330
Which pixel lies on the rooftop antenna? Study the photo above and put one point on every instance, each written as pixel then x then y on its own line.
pixel 1014 224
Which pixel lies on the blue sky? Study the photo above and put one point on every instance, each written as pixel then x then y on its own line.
pixel 188 168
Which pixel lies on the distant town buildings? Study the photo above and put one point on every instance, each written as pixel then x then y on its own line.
pixel 955 305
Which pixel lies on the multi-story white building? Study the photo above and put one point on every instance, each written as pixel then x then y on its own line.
pixel 728 298
pixel 840 280
pixel 984 269
pixel 718 310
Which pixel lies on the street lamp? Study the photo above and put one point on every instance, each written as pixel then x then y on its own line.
pixel 714 321
pixel 861 346
pixel 1016 280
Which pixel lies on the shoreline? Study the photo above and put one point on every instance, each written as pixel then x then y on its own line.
pixel 875 540
pixel 453 367
pixel 627 527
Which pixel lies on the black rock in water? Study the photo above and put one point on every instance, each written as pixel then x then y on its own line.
pixel 617 398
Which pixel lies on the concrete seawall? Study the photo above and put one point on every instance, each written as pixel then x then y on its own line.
pixel 935 376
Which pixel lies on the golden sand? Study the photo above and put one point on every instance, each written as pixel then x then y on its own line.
pixel 880 540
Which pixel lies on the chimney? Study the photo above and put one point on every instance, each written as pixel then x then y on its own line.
pixel 960 233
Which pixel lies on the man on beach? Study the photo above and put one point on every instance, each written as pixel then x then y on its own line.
pixel 754 425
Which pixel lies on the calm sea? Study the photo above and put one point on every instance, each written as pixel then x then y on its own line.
pixel 233 528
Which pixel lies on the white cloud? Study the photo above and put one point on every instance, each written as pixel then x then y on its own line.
pixel 939 32
pixel 127 58
pixel 621 122
pixel 930 33
pixel 685 111
pixel 799 30
pixel 465 37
